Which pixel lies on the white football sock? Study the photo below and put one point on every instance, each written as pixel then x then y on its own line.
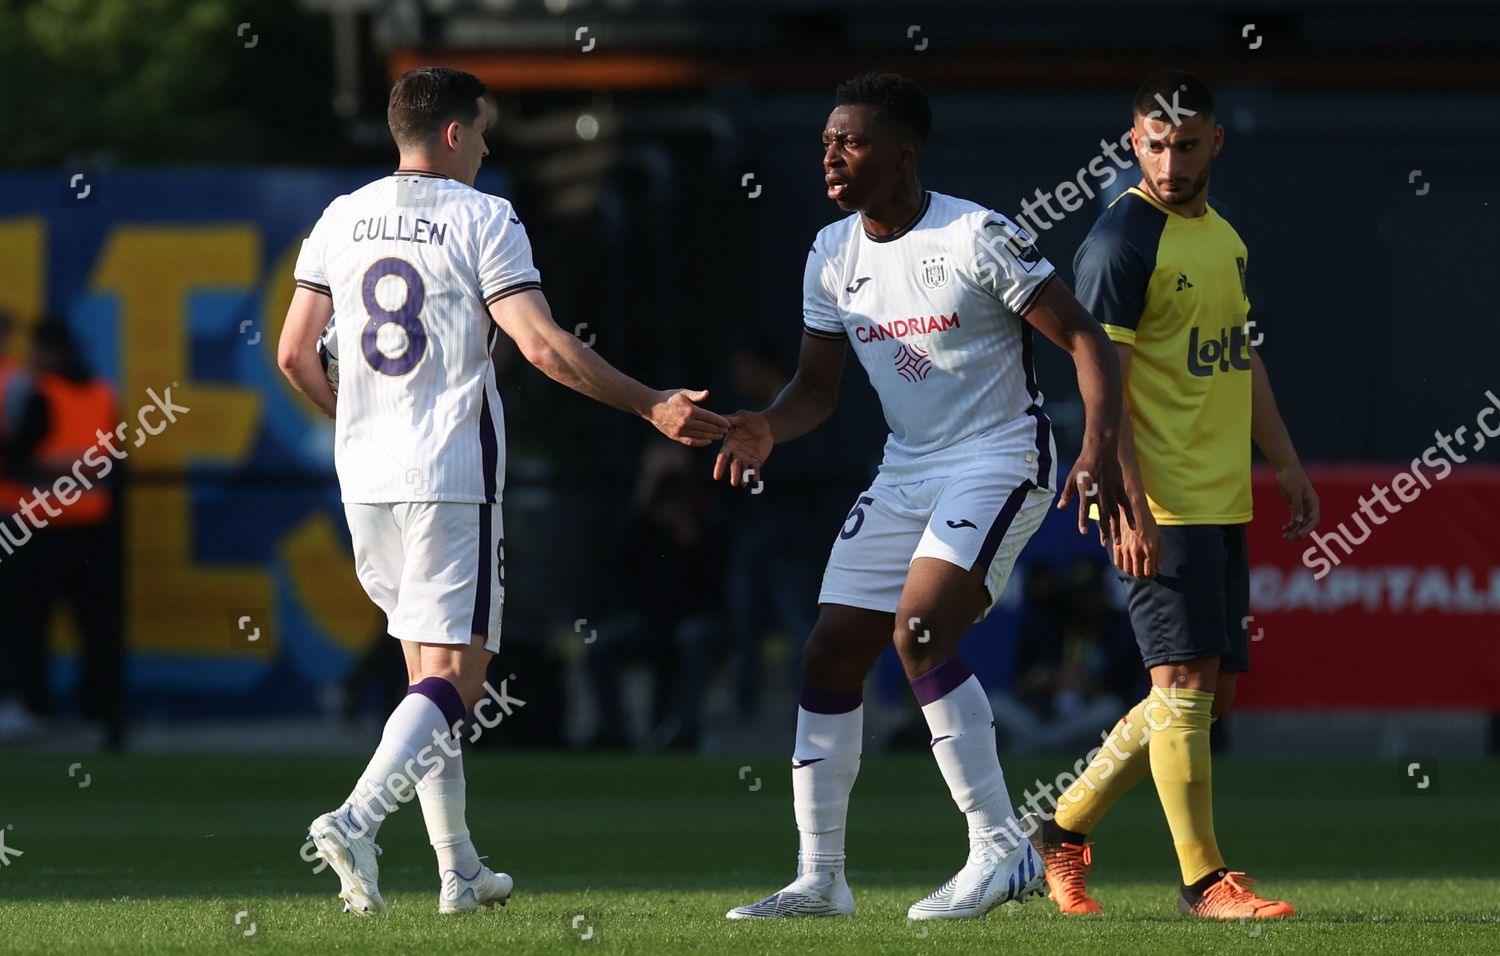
pixel 386 783
pixel 963 743
pixel 442 795
pixel 825 762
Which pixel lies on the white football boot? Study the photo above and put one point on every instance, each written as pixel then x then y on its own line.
pixel 989 877
pixel 819 893
pixel 353 859
pixel 465 894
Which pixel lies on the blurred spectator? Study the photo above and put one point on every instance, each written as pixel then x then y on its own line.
pixel 23 424
pixel 673 575
pixel 1076 662
pixel 775 565
pixel 74 556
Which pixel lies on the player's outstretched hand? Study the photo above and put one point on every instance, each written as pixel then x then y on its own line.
pixel 1096 480
pixel 1301 499
pixel 678 415
pixel 745 448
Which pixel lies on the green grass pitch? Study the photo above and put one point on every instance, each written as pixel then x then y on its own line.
pixel 644 855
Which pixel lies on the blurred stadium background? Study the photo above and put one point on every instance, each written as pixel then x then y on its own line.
pixel 164 159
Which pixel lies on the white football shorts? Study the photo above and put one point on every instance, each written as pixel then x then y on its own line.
pixel 981 516
pixel 436 568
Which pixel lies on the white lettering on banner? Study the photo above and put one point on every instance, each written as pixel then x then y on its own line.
pixel 1388 589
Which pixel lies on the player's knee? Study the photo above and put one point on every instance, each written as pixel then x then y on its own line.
pixel 918 645
pixel 824 669
pixel 828 665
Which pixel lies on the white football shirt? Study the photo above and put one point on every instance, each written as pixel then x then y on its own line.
pixel 412 262
pixel 933 311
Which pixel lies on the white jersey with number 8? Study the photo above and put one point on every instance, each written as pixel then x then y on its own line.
pixel 412 262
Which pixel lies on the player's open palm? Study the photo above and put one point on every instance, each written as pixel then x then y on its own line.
pixel 745 448
pixel 678 415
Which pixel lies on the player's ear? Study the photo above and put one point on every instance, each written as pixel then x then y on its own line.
pixel 910 150
pixel 1218 141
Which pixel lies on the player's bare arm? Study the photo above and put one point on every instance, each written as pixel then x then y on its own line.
pixel 1137 551
pixel 527 319
pixel 806 401
pixel 1272 438
pixel 296 352
pixel 1058 316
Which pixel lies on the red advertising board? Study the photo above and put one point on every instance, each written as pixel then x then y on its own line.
pixel 1408 618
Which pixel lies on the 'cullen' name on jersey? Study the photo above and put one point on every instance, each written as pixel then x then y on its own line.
pixel 901 328
pixel 420 230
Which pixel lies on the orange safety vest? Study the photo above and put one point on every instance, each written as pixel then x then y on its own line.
pixel 10 491
pixel 76 411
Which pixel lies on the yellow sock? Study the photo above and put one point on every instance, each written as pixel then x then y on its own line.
pixel 1120 764
pixel 1180 763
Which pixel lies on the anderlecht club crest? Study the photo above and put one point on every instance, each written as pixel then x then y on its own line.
pixel 935 272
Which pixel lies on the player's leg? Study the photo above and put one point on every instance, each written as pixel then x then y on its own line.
pixel 418 737
pixel 434 567
pixel 466 884
pixel 452 592
pixel 861 588
pixel 1216 892
pixel 954 579
pixel 1178 619
pixel 844 645
pixel 345 837
pixel 1179 713
pixel 1115 767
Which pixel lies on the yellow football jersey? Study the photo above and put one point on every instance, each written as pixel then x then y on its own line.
pixel 1174 289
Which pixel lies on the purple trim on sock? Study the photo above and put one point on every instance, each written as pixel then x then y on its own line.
pixel 822 702
pixel 442 693
pixel 940 681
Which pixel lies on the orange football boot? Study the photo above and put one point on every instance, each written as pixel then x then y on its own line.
pixel 1068 866
pixel 1231 898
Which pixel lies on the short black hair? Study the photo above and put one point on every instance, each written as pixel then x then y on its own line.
pixel 425 100
pixel 1181 89
pixel 896 99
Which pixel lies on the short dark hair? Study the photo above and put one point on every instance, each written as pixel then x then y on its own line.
pixel 427 99
pixel 896 100
pixel 1177 87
